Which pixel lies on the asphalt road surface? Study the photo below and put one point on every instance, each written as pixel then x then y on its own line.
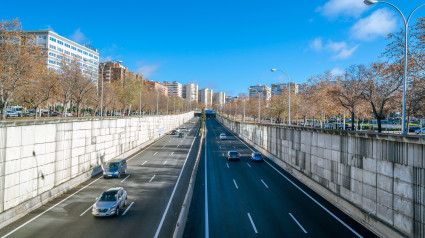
pixel 257 199
pixel 154 197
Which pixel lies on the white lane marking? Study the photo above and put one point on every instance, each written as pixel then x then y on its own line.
pixel 174 190
pixel 181 141
pixel 314 200
pixel 146 148
pixel 152 178
pixel 125 178
pixel 164 162
pixel 252 223
pixel 222 154
pixel 248 165
pixel 86 210
pixel 236 185
pixel 219 146
pixel 227 165
pixel 163 146
pixel 207 232
pixel 19 227
pixel 172 153
pixel 233 147
pixel 302 228
pixel 144 162
pixel 264 183
pixel 178 146
pixel 230 142
pixel 155 153
pixel 128 208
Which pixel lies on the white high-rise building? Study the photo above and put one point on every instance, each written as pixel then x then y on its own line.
pixel 219 98
pixel 59 49
pixel 263 90
pixel 174 88
pixel 277 88
pixel 206 97
pixel 190 92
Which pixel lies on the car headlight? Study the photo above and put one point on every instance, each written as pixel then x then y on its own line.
pixel 116 172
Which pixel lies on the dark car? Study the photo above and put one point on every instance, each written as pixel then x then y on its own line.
pixel 233 155
pixel 115 168
pixel 256 156
pixel 414 128
pixel 174 132
pixel 181 135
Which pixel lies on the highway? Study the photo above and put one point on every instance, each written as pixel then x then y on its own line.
pixel 257 199
pixel 154 197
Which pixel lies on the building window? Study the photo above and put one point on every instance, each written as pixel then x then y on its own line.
pixel 52 62
pixel 67 45
pixel 52 47
pixel 52 39
pixel 60 57
pixel 91 55
pixel 52 54
pixel 67 52
pixel 73 47
pixel 85 53
pixel 59 49
pixel 95 57
pixel 80 51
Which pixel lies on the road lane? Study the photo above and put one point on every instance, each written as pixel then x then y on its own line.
pixel 276 207
pixel 69 216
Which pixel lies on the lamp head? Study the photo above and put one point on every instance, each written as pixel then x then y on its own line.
pixel 273 70
pixel 370 2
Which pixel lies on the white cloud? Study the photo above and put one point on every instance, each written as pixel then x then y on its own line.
pixel 340 50
pixel 347 8
pixel 337 72
pixel 146 69
pixel 317 44
pixel 79 37
pixel 379 23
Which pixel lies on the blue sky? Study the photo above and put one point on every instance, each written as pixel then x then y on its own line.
pixel 223 45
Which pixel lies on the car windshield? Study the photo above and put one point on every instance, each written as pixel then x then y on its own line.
pixel 234 153
pixel 222 134
pixel 257 155
pixel 112 165
pixel 108 196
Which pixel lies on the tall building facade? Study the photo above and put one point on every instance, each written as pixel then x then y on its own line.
pixel 278 88
pixel 151 85
pixel 219 98
pixel 59 49
pixel 190 92
pixel 262 90
pixel 112 71
pixel 174 88
pixel 206 97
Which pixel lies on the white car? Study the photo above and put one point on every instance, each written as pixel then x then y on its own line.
pixel 12 114
pixel 223 136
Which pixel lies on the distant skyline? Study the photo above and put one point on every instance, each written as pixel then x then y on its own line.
pixel 223 45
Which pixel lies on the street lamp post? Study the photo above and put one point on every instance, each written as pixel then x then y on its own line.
pixel 406 26
pixel 289 94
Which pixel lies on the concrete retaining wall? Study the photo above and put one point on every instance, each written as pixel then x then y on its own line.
pixel 41 159
pixel 378 179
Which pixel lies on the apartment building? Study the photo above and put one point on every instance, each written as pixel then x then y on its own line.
pixel 262 90
pixel 112 71
pixel 59 49
pixel 219 98
pixel 206 96
pixel 151 85
pixel 190 92
pixel 174 88
pixel 278 88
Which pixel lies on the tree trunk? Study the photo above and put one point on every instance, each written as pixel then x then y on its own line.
pixel 352 121
pixel 378 120
pixel 36 110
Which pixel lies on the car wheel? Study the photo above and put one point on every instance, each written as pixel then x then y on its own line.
pixel 125 202
pixel 119 175
pixel 117 211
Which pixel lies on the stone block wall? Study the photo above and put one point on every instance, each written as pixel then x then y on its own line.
pixel 378 179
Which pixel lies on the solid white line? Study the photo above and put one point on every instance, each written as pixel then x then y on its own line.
pixel 86 210
pixel 172 153
pixel 164 162
pixel 264 184
pixel 152 178
pixel 248 165
pixel 155 153
pixel 234 181
pixel 144 162
pixel 19 227
pixel 125 178
pixel 252 223
pixel 207 232
pixel 302 228
pixel 314 200
pixel 127 209
pixel 227 165
pixel 174 190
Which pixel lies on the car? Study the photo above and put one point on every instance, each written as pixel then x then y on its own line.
pixel 29 113
pixel 181 135
pixel 115 168
pixel 256 156
pixel 174 132
pixel 177 130
pixel 110 202
pixel 414 128
pixel 233 155
pixel 223 136
pixel 187 129
pixel 420 131
pixel 12 114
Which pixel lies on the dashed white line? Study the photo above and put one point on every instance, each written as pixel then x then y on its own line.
pixel 163 146
pixel 227 165
pixel 264 184
pixel 222 154
pixel 125 178
pixel 233 147
pixel 152 178
pixel 128 208
pixel 144 162
pixel 236 185
pixel 155 153
pixel 86 210
pixel 164 162
pixel 252 223
pixel 219 146
pixel 172 153
pixel 302 228
pixel 248 165
pixel 178 146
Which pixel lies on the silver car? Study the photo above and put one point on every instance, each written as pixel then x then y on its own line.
pixel 110 202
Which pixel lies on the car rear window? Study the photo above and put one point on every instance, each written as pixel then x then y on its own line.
pixel 234 153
